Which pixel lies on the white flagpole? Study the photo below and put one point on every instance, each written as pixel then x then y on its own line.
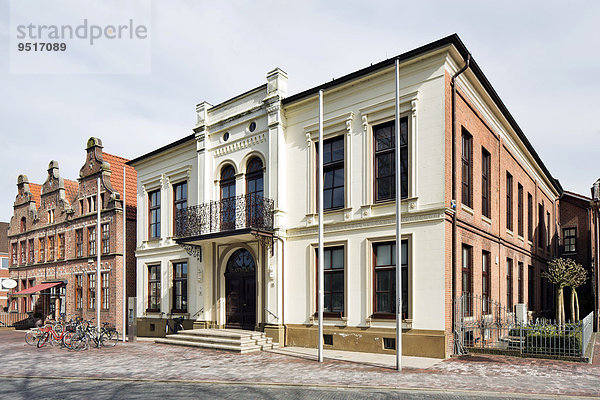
pixel 124 258
pixel 320 206
pixel 398 227
pixel 98 278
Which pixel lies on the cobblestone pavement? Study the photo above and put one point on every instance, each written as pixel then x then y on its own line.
pixel 149 361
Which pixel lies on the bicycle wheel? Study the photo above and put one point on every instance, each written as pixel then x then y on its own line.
pixel 43 339
pixel 67 340
pixel 109 338
pixel 32 337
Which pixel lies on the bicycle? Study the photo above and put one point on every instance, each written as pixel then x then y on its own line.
pixel 175 326
pixel 54 333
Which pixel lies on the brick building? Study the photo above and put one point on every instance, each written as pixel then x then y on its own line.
pixel 577 242
pixel 3 263
pixel 52 240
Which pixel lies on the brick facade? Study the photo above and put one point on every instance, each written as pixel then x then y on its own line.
pixel 45 214
pixel 509 243
pixel 576 213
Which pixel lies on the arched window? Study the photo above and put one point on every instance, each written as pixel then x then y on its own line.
pixel 241 262
pixel 227 198
pixel 227 182
pixel 255 177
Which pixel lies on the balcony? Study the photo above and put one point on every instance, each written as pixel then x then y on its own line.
pixel 245 214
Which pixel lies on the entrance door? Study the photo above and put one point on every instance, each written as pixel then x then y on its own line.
pixel 240 290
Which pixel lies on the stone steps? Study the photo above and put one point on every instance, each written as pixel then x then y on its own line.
pixel 236 340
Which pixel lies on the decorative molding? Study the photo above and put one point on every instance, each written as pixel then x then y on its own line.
pixel 330 125
pixel 388 220
pixel 240 145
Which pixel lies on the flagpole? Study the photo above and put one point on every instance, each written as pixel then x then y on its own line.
pixel 320 206
pixel 124 258
pixel 98 278
pixel 398 226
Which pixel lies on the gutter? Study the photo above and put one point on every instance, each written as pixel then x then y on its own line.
pixel 454 203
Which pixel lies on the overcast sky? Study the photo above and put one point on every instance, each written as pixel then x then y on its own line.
pixel 541 57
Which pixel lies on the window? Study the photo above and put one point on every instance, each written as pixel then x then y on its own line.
pixel 509 284
pixel 485 183
pixel 255 190
pixel 153 288
pixel 81 206
pixel 79 291
pixel 79 242
pixel 154 214
pixel 333 281
pixel 61 246
pixel 105 239
pixel 50 248
pixel 520 281
pixel 179 199
pixel 467 277
pixel 485 279
pixel 541 229
pixel 509 205
pixel 227 185
pixel 180 287
pixel 50 216
pixel 384 137
pixel 31 251
pixel 467 157
pixel 569 239
pixel 385 278
pixel 529 217
pixel 91 203
pixel 543 291
pixel 333 173
pixel 92 241
pixel 42 253
pixel 104 299
pixel 91 291
pixel 4 261
pixel 531 287
pixel 15 260
pixel 548 227
pixel 23 224
pixel 23 253
pixel 520 209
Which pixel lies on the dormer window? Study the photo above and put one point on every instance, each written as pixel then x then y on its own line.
pixel 23 224
pixel 50 216
pixel 91 204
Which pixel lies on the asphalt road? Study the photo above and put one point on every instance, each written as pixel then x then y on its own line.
pixel 52 388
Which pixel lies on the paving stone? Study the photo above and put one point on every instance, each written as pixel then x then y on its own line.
pixel 146 360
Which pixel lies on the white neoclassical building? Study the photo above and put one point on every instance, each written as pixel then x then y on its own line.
pixel 227 216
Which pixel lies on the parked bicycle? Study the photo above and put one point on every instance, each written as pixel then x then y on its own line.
pixel 175 325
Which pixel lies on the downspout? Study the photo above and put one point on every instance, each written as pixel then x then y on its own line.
pixel 454 197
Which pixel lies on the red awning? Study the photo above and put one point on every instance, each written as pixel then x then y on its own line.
pixel 36 288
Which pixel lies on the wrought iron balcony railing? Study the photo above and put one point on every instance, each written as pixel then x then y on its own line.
pixel 242 212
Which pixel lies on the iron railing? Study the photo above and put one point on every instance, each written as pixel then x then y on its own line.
pixel 241 212
pixel 482 323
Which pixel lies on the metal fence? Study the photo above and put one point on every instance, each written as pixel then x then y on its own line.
pixel 15 319
pixel 482 323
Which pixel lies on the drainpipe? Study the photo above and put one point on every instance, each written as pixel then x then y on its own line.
pixel 454 202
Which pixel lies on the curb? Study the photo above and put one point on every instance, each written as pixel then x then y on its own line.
pixel 471 393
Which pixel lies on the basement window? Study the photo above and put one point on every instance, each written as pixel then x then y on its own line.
pixel 328 340
pixel 152 327
pixel 389 343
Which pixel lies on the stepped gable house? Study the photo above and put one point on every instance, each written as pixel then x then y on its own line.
pixel 52 240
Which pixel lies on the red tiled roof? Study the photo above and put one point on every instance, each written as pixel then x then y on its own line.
pixel 116 179
pixel 71 190
pixel 36 191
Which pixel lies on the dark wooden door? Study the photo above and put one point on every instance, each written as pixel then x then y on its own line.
pixel 240 291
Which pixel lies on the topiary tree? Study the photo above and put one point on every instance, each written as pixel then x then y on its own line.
pixel 558 274
pixel 576 276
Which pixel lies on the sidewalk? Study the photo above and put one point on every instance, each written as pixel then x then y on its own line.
pixel 146 361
